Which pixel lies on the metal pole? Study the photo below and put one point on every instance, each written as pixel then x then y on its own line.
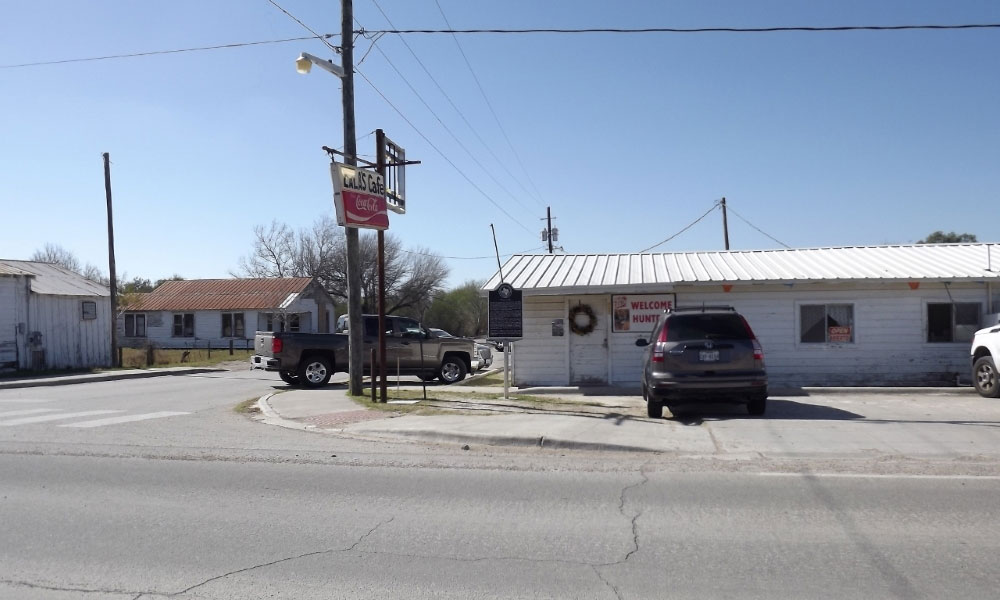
pixel 548 211
pixel 725 223
pixel 497 248
pixel 380 167
pixel 506 369
pixel 111 264
pixel 355 325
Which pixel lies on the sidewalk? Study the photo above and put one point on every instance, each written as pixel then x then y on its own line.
pixel 47 380
pixel 925 423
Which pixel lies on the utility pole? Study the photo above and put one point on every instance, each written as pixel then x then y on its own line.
pixel 354 320
pixel 111 263
pixel 380 167
pixel 548 211
pixel 725 223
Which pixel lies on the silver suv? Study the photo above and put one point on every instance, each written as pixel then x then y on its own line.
pixel 702 355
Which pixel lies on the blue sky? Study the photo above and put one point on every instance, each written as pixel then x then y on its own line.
pixel 818 139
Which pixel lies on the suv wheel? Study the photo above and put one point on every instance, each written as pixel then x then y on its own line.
pixel 984 372
pixel 453 369
pixel 315 371
pixel 757 405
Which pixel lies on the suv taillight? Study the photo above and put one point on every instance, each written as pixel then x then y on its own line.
pixel 758 350
pixel 659 345
pixel 276 345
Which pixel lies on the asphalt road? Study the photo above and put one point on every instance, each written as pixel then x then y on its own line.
pixel 209 504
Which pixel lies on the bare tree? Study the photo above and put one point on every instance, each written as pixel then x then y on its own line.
pixel 273 253
pixel 57 255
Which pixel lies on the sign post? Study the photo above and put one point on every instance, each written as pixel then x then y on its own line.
pixel 506 322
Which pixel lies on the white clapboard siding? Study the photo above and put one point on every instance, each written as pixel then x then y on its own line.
pixel 68 340
pixel 208 327
pixel 10 287
pixel 541 358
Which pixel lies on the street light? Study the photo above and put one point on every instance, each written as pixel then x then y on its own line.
pixel 305 62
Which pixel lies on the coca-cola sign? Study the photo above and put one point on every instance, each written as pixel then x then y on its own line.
pixel 359 197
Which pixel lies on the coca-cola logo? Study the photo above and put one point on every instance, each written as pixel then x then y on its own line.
pixel 366 203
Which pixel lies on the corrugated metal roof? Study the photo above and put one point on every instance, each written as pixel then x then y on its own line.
pixel 52 280
pixel 571 273
pixel 222 294
pixel 6 270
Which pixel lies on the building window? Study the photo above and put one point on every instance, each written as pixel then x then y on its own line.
pixel 952 321
pixel 184 325
pixel 89 309
pixel 135 325
pixel 232 325
pixel 293 322
pixel 826 323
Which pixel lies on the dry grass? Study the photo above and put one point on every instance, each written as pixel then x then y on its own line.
pixel 136 358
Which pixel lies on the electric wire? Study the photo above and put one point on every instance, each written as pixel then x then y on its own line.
pixel 304 26
pixel 517 157
pixel 836 28
pixel 717 204
pixel 442 154
pixel 448 129
pixel 774 239
pixel 492 256
pixel 453 105
pixel 157 52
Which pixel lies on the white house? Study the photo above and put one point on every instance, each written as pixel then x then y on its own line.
pixel 201 312
pixel 885 315
pixel 52 318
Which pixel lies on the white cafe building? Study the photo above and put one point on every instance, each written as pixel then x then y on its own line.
pixel 874 315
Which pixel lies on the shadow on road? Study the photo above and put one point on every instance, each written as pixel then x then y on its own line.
pixel 776 410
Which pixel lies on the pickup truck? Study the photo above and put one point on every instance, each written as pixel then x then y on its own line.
pixel 985 355
pixel 309 359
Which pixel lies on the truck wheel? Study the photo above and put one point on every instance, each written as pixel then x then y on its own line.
pixel 289 377
pixel 315 371
pixel 453 369
pixel 985 377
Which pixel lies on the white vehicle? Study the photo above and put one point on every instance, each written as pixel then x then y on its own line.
pixel 985 355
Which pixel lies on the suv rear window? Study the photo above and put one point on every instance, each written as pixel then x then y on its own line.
pixel 706 327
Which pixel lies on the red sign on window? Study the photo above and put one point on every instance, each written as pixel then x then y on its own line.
pixel 840 334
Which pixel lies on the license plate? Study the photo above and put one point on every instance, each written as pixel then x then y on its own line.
pixel 708 355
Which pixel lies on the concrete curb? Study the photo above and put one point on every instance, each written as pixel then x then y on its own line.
pixel 498 440
pixel 271 416
pixel 97 377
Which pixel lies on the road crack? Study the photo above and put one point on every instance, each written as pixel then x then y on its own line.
pixel 286 559
pixel 82 590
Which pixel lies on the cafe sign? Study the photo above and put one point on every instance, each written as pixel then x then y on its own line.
pixel 359 197
pixel 639 313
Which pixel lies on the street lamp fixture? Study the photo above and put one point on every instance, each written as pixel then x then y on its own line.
pixel 305 62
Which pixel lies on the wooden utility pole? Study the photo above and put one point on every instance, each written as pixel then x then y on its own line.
pixel 354 320
pixel 548 211
pixel 380 167
pixel 725 223
pixel 111 263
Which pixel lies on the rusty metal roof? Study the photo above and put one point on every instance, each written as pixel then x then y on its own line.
pixel 597 273
pixel 222 294
pixel 50 279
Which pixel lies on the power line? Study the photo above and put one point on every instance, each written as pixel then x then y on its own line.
pixel 306 27
pixel 700 29
pixel 155 52
pixel 692 224
pixel 438 150
pixel 491 256
pixel 446 128
pixel 475 77
pixel 757 228
pixel 457 110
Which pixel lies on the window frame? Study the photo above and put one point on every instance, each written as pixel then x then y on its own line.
pixel 826 343
pixel 954 313
pixel 183 316
pixel 86 315
pixel 237 330
pixel 135 317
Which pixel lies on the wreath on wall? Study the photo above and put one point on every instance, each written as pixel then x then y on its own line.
pixel 576 327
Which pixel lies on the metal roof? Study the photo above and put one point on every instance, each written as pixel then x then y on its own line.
pixel 49 279
pixel 583 273
pixel 8 271
pixel 222 294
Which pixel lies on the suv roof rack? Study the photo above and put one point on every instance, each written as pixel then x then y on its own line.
pixel 702 308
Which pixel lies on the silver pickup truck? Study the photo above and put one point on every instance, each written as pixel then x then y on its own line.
pixel 309 359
